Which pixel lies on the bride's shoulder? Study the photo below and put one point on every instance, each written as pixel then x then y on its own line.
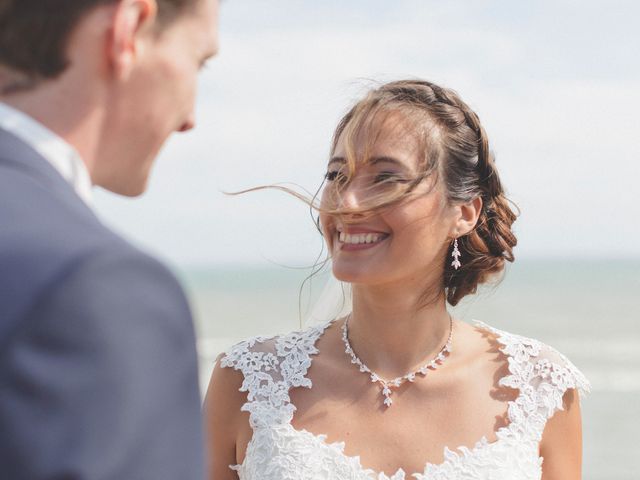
pixel 238 372
pixel 533 362
pixel 267 353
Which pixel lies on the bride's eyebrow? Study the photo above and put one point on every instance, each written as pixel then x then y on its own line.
pixel 385 159
pixel 372 160
pixel 336 160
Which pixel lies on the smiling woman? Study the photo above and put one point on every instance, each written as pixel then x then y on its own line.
pixel 411 135
pixel 414 217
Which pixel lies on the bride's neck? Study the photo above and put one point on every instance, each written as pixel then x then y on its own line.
pixel 393 330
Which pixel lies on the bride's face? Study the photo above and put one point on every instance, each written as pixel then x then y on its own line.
pixel 406 241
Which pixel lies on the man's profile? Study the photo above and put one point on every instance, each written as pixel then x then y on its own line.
pixel 98 370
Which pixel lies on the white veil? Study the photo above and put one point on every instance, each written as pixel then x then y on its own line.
pixel 335 301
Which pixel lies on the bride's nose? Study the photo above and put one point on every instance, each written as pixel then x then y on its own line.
pixel 351 196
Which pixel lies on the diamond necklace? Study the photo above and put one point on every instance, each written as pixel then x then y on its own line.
pixel 387 385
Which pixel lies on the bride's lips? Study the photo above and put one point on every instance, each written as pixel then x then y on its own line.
pixel 354 239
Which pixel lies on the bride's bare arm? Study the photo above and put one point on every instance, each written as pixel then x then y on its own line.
pixel 223 418
pixel 561 444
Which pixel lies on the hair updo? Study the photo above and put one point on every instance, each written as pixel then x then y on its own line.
pixel 456 149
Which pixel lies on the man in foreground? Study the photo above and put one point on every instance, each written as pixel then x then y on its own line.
pixel 98 369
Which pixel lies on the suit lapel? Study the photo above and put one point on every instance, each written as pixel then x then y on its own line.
pixel 18 155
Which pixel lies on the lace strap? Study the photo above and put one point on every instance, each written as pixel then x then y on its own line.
pixel 255 361
pixel 271 366
pixel 541 374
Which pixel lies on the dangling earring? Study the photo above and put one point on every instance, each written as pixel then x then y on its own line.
pixel 456 254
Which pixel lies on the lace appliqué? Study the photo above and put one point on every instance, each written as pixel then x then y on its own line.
pixel 272 366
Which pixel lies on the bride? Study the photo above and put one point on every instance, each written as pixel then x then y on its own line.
pixel 415 217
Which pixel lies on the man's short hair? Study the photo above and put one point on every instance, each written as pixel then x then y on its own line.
pixel 34 33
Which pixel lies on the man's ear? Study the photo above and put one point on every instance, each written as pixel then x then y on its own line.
pixel 468 214
pixel 131 20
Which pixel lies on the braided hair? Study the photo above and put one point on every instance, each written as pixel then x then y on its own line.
pixel 457 150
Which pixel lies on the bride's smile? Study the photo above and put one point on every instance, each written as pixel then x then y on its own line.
pixel 357 238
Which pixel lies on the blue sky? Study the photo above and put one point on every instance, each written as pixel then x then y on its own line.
pixel 557 85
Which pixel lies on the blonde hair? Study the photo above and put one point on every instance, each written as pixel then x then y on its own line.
pixel 455 148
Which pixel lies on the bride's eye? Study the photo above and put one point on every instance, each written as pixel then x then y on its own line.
pixel 389 177
pixel 334 175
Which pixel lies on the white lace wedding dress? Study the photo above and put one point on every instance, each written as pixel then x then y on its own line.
pixel 277 451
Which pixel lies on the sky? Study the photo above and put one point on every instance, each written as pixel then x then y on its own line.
pixel 555 83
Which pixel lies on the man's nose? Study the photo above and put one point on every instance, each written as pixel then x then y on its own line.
pixel 188 124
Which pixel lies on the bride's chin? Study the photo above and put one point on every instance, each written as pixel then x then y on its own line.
pixel 352 274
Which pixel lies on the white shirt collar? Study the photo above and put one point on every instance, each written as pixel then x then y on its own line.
pixel 64 158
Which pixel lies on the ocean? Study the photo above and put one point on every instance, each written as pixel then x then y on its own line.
pixel 587 309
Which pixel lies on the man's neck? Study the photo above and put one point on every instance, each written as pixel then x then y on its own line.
pixel 65 111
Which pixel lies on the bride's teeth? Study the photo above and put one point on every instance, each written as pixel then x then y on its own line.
pixel 358 238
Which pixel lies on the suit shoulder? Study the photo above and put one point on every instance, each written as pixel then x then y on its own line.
pixel 45 251
pixel 120 270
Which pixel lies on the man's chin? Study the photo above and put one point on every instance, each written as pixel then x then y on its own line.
pixel 125 188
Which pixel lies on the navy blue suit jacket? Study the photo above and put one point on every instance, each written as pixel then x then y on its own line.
pixel 98 368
